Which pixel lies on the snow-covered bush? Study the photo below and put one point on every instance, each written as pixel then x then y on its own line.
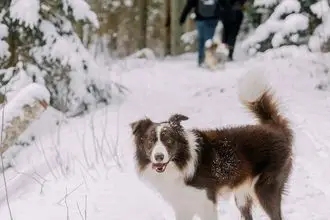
pixel 38 44
pixel 320 40
pixel 288 22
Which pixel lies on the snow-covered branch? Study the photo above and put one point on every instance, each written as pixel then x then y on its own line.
pixel 20 112
pixel 286 25
pixel 321 36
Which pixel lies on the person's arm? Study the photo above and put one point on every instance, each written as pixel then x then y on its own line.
pixel 189 5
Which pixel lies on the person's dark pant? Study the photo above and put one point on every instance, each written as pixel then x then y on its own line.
pixel 205 29
pixel 231 21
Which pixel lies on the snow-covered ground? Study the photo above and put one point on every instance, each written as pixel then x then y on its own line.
pixel 69 171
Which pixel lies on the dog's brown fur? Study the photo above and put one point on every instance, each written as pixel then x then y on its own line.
pixel 210 56
pixel 257 155
pixel 244 153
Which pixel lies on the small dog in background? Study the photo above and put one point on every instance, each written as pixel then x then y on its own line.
pixel 216 54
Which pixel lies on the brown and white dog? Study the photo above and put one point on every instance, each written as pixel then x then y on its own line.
pixel 191 168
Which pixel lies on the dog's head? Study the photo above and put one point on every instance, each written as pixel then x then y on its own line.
pixel 158 144
pixel 211 46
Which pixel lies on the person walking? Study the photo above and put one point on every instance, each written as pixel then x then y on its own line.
pixel 231 17
pixel 207 17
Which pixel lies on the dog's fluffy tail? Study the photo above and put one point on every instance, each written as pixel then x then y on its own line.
pixel 255 93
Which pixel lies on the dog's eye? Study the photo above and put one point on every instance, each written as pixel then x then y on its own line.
pixel 169 141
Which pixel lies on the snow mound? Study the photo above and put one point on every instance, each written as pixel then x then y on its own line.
pixel 145 53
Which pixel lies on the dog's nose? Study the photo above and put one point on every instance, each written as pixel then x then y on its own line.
pixel 159 157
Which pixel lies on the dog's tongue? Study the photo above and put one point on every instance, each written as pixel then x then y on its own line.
pixel 159 167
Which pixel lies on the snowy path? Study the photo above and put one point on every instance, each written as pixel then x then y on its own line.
pixel 209 99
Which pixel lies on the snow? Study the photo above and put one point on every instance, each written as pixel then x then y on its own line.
pixel 286 7
pixel 189 37
pixel 19 80
pixel 68 50
pixel 4 49
pixel 55 55
pixel 128 3
pixel 3 44
pixel 265 3
pixel 26 12
pixel 26 96
pixel 81 11
pixel 146 53
pixel 277 28
pixel 3 31
pixel 320 8
pixel 322 32
pixel 86 163
pixel 292 24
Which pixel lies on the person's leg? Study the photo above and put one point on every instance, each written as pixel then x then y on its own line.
pixel 233 32
pixel 225 28
pixel 210 27
pixel 201 41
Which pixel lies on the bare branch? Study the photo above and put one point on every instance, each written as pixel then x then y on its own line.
pixel 66 195
pixel 66 205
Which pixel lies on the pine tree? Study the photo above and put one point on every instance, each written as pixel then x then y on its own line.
pixel 38 43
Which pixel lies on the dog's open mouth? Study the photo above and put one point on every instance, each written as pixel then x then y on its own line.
pixel 159 167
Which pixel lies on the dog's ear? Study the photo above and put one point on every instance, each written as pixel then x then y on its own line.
pixel 177 118
pixel 140 126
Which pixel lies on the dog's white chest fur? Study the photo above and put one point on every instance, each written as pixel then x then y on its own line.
pixel 185 200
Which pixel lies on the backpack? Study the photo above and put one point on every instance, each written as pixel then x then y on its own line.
pixel 207 8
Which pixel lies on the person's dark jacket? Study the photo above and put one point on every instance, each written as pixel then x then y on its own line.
pixel 193 4
pixel 223 5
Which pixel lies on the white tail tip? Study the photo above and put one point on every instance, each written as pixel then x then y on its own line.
pixel 252 85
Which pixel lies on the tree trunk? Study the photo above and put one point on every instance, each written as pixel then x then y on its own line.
pixel 175 33
pixel 143 10
pixel 168 27
pixel 176 29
